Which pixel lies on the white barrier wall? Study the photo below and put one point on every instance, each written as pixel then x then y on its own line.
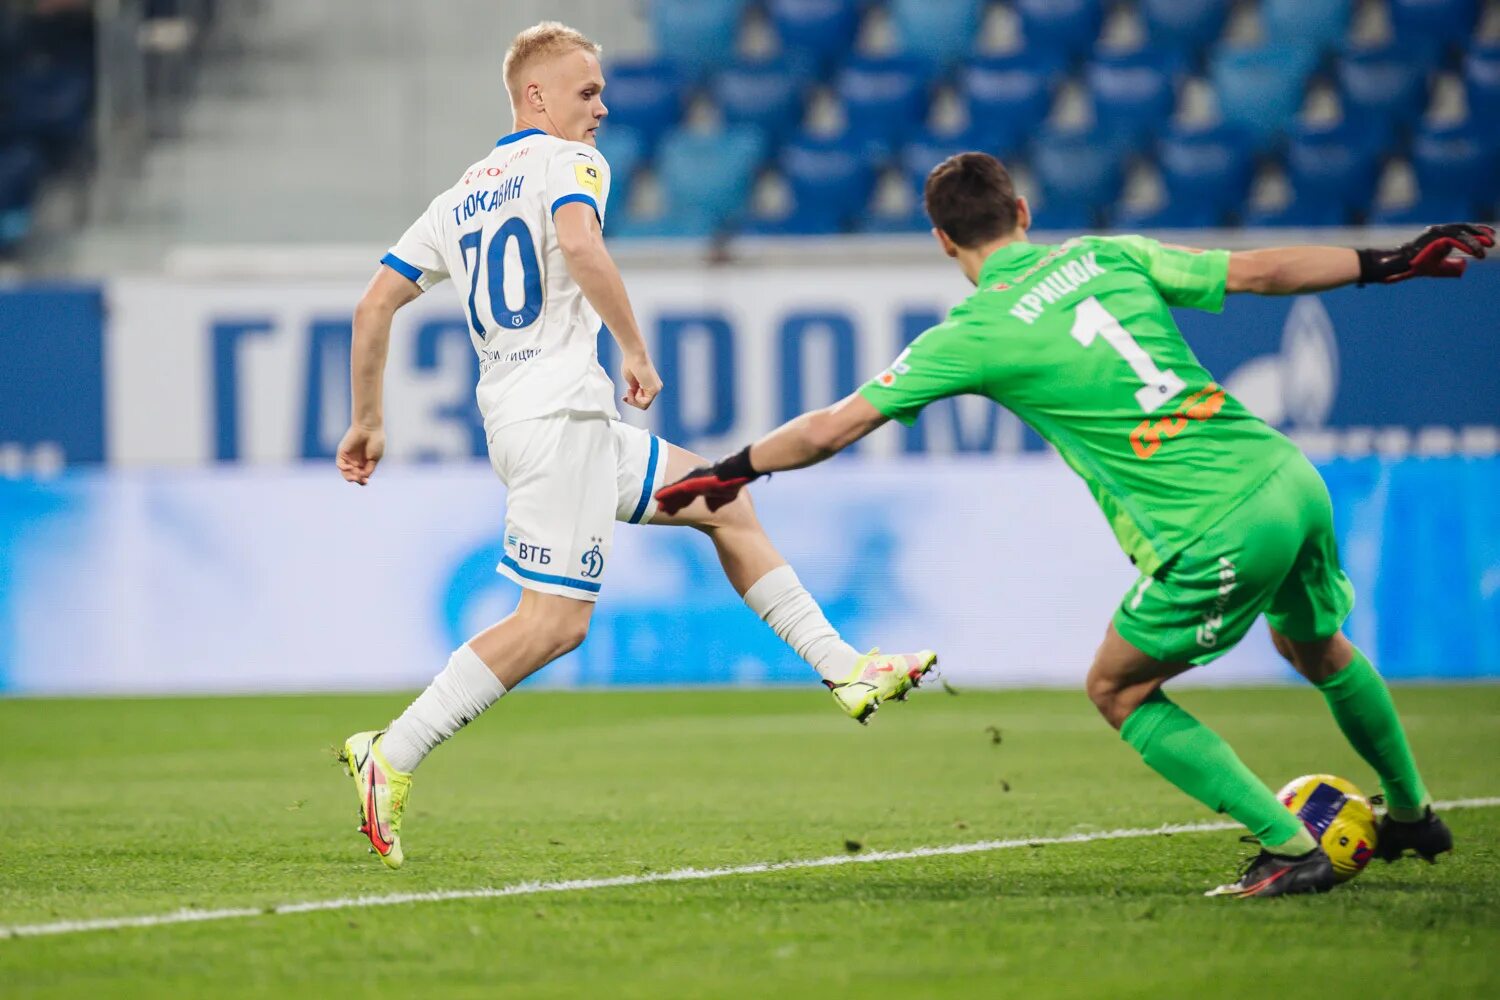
pixel 238 580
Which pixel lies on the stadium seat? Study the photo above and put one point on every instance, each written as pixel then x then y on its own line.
pixel 680 223
pixel 882 97
pixel 814 33
pixel 1482 85
pixel 1425 211
pixel 623 150
pixel 1387 82
pixel 1069 26
pixel 1175 213
pixel 1446 22
pixel 695 36
pixel 940 32
pixel 710 173
pixel 15 224
pixel 1075 169
pixel 1260 88
pixel 1455 162
pixel 1337 165
pixel 830 179
pixel 1184 25
pixel 802 219
pixel 764 93
pixel 1133 94
pixel 1206 172
pixel 1066 217
pixel 1301 212
pixel 1322 25
pixel 51 103
pixel 927 149
pixel 1009 97
pixel 644 95
pixel 21 166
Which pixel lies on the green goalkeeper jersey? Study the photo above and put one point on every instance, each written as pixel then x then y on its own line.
pixel 1078 341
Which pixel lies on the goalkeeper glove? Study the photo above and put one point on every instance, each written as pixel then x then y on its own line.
pixel 1427 255
pixel 717 484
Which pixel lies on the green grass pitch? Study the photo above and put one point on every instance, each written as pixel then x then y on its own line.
pixel 135 807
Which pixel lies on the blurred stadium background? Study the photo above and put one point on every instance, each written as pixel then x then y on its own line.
pixel 192 194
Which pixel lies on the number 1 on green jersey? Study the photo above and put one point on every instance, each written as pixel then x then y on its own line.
pixel 1092 320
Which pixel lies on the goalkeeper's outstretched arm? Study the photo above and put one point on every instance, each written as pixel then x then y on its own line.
pixel 796 444
pixel 1439 252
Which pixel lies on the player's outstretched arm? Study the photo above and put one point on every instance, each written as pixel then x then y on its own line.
pixel 1439 252
pixel 800 442
pixel 592 268
pixel 364 443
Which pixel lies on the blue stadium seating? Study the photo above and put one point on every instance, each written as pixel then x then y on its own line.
pixel 1302 211
pixel 623 150
pixel 1185 25
pixel 1133 94
pixel 830 179
pixel 1075 169
pixel 695 35
pixel 801 220
pixel 21 166
pixel 710 173
pixel 1456 162
pixel 1386 82
pixel 1069 26
pixel 1177 212
pixel 1482 85
pixel 1321 25
pixel 765 93
pixel 51 102
pixel 1425 211
pixel 644 95
pixel 1008 97
pixel 1206 172
pixel 1068 217
pixel 1447 22
pixel 883 97
pixel 814 33
pixel 685 222
pixel 1337 165
pixel 940 32
pixel 1260 89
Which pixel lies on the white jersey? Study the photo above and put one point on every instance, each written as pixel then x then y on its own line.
pixel 492 232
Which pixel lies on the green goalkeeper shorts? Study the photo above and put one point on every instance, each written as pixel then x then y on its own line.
pixel 1273 554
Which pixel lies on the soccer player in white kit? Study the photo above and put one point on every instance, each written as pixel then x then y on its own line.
pixel 521 236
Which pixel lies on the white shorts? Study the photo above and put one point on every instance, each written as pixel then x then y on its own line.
pixel 568 479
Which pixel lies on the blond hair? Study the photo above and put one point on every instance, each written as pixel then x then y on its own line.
pixel 540 41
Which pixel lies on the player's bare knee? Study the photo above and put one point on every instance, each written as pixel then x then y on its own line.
pixel 1320 659
pixel 568 636
pixel 1103 692
pixel 1283 646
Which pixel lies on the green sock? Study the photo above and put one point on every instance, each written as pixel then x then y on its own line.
pixel 1362 706
pixel 1197 760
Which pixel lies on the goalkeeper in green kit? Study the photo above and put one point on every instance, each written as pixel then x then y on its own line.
pixel 1223 516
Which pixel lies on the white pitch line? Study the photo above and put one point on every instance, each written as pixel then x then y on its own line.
pixel 576 885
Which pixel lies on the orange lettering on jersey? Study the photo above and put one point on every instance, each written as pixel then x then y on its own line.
pixel 1204 404
pixel 1145 440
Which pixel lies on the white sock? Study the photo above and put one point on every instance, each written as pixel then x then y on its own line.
pixel 785 605
pixel 454 699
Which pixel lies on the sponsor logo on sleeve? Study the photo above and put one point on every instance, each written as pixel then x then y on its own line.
pixel 588 178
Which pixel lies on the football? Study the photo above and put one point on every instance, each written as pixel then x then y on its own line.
pixel 1339 815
